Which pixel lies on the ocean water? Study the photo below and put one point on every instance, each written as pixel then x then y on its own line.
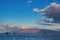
pixel 29 37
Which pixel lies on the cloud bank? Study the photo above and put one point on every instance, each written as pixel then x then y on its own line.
pixel 51 11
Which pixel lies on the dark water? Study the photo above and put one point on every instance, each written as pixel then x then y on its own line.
pixel 29 37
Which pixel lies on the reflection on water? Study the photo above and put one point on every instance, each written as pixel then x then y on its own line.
pixel 29 37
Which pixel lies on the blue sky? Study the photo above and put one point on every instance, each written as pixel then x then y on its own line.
pixel 18 11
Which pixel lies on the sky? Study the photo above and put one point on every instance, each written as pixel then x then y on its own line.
pixel 20 12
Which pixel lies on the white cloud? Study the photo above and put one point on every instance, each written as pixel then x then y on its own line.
pixel 51 11
pixel 53 7
pixel 36 10
pixel 29 2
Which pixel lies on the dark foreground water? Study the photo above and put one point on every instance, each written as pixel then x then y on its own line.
pixel 29 37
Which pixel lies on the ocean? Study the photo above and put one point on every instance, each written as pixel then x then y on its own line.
pixel 26 36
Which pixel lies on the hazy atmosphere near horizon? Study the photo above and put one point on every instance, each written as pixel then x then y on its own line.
pixel 22 13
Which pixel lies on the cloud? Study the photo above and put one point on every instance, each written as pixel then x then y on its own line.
pixel 8 27
pixel 29 2
pixel 36 10
pixel 44 23
pixel 51 11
